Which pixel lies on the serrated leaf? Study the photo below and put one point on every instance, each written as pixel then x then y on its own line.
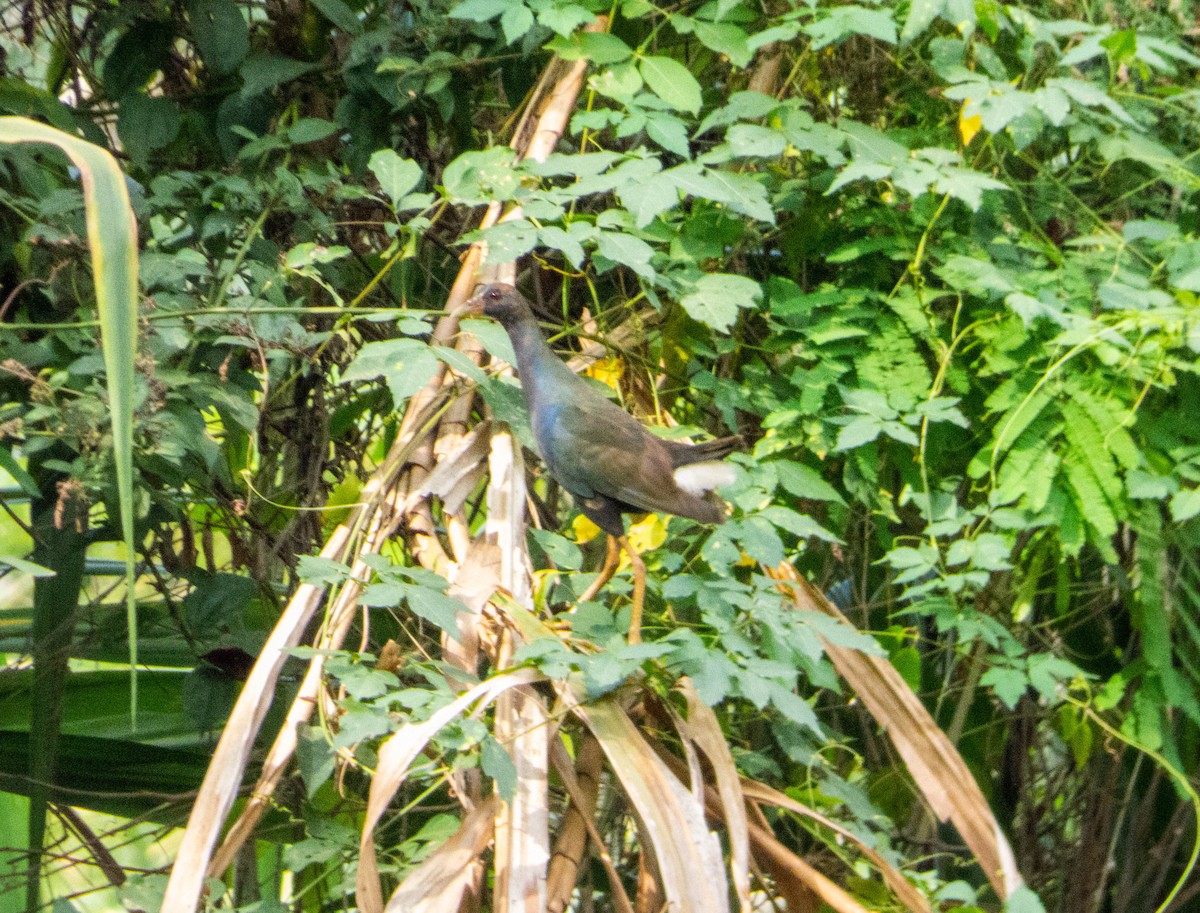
pixel 741 192
pixel 716 297
pixel 672 82
pixel 515 22
pixel 600 48
pixel 626 250
pixel 397 176
pixel 406 365
pixel 479 10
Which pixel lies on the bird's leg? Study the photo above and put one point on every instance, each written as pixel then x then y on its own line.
pixel 639 591
pixel 611 557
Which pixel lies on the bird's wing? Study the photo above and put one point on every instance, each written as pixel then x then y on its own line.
pixel 606 452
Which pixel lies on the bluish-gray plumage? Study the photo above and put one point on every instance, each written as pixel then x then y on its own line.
pixel 596 450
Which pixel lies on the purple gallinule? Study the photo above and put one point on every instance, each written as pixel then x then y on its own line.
pixel 609 463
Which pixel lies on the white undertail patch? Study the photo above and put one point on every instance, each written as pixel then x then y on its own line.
pixel 701 478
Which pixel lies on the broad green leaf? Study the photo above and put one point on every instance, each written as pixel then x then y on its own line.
pixel 221 34
pixel 725 38
pixel 406 365
pixel 844 21
pixel 507 240
pixel 480 177
pixel 716 297
pixel 145 124
pixel 755 141
pixel 340 14
pixel 264 72
pixel 626 250
pixel 397 176
pixel 112 242
pixel 515 22
pixel 601 48
pixel 741 192
pixel 565 19
pixel 479 10
pixel 311 130
pixel 672 82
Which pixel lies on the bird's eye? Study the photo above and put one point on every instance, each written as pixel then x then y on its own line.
pixel 493 295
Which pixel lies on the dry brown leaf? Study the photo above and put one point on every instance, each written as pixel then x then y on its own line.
pixel 583 791
pixel 702 727
pixel 223 779
pixel 901 886
pixel 437 885
pixel 396 755
pixel 672 821
pixel 935 765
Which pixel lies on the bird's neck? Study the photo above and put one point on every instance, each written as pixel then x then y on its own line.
pixel 544 377
pixel 528 344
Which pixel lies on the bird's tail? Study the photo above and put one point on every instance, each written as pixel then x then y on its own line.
pixel 684 454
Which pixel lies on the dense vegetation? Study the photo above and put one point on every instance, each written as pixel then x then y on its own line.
pixel 937 262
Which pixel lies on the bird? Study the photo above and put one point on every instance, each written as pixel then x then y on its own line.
pixel 609 463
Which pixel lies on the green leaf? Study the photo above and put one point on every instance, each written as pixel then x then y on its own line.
pixel 601 48
pixel 845 21
pixel 670 133
pixel 751 140
pixel 138 55
pixel 406 365
pixel 145 124
pixel 564 20
pixel 311 130
pixel 1185 504
pixel 804 482
pixel 515 22
pixel 340 14
pixel 740 192
pixel 672 82
pixel 716 297
pixel 626 250
pixel 481 177
pixel 221 34
pixel 263 72
pixel 216 600
pixel 507 240
pixel 1008 683
pixel 112 243
pixel 479 10
pixel 27 567
pixel 9 464
pixel 498 764
pixel 725 38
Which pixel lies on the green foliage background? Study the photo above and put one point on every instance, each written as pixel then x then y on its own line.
pixel 939 262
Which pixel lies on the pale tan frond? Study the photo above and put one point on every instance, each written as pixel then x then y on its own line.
pixel 223 779
pixel 437 885
pixel 901 887
pixel 672 821
pixel 931 758
pixel 395 757
pixel 702 728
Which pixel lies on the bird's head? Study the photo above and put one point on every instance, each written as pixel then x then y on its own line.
pixel 501 302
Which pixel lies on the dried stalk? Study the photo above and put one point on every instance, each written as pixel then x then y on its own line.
pixel 935 765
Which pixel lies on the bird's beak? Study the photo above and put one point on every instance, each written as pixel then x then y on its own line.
pixel 473 307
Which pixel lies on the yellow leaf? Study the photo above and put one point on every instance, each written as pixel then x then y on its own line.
pixel 585 530
pixel 648 533
pixel 968 126
pixel 608 371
